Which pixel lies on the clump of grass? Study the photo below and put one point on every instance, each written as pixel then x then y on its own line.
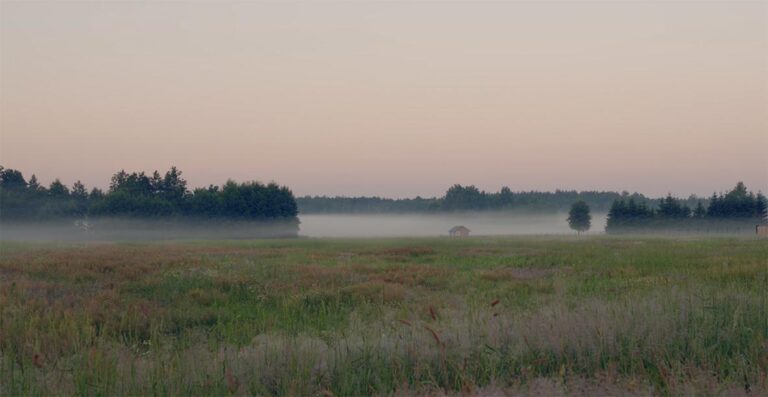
pixel 375 291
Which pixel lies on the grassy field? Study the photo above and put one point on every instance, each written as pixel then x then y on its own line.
pixel 489 316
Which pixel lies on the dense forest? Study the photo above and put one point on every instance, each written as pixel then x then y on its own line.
pixel 466 198
pixel 141 196
pixel 736 210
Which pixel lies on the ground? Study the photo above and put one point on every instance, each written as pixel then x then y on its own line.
pixel 477 316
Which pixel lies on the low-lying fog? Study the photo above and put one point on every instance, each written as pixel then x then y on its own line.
pixel 412 225
pixel 361 225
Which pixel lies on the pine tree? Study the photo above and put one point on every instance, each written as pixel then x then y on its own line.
pixel 700 211
pixel 761 208
pixel 715 207
pixel 80 197
pixel 616 215
pixel 34 186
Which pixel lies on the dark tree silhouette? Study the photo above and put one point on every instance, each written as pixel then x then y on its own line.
pixel 579 218
pixel 738 209
pixel 138 195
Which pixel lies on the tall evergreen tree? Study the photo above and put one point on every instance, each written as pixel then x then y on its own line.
pixel 761 208
pixel 34 186
pixel 80 197
pixel 700 212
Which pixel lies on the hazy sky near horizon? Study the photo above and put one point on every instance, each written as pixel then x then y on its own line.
pixel 390 98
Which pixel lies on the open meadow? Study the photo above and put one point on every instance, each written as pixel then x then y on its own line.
pixel 419 316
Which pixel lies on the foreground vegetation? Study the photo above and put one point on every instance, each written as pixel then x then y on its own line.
pixel 411 316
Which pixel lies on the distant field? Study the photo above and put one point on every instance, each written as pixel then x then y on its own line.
pixel 490 316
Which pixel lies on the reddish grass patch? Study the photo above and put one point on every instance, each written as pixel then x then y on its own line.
pixel 375 291
pixel 523 273
pixel 415 275
pixel 402 252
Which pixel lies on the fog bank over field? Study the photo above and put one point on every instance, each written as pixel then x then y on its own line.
pixel 416 225
pixel 114 229
pixel 313 226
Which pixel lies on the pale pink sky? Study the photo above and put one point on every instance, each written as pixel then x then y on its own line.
pixel 392 99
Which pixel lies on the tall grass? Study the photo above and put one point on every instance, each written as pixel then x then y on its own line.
pixel 379 317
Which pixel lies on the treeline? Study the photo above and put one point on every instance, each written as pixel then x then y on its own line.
pixel 736 210
pixel 465 198
pixel 363 205
pixel 139 195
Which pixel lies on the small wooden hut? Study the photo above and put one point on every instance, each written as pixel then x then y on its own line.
pixel 458 231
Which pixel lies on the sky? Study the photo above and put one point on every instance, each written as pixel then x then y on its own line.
pixel 394 99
